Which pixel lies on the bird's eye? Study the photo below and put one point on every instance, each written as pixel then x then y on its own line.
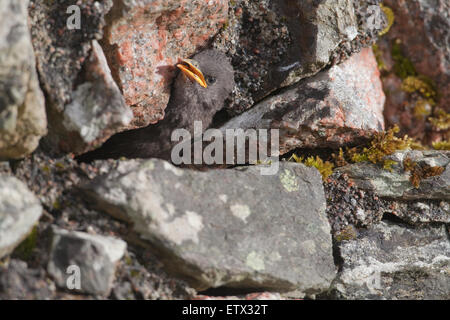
pixel 210 80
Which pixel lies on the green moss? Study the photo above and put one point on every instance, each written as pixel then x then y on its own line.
pixel 423 108
pixel 379 57
pixel 46 169
pixel 346 234
pixel 25 249
pixel 403 67
pixel 382 145
pixel 390 18
pixel 325 167
pixel 442 145
pixel 421 85
pixel 441 121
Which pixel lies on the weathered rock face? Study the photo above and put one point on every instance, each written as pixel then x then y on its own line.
pixel 95 257
pixel 144 41
pixel 17 281
pixel 389 261
pixel 227 227
pixel 332 109
pixel 276 43
pixel 22 109
pixel 20 210
pixel 84 104
pixel 397 184
pixel 429 51
pixel 416 70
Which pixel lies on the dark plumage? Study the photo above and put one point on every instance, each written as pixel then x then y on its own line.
pixel 188 102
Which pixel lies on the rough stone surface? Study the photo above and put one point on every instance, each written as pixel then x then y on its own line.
pixel 84 104
pixel 276 43
pixel 227 227
pixel 20 210
pixel 336 107
pixel 22 108
pixel 95 255
pixel 396 183
pixel 97 109
pixel 429 49
pixel 390 261
pixel 17 281
pixel 428 56
pixel 145 39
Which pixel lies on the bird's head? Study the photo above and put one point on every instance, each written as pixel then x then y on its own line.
pixel 208 77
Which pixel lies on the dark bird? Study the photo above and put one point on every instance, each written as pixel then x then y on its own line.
pixel 192 99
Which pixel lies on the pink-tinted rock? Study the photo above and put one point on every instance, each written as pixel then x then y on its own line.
pixel 423 27
pixel 145 39
pixel 337 107
pixel 419 36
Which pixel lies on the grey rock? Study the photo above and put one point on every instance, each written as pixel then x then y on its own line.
pixel 95 256
pixel 18 281
pixel 390 261
pixel 22 108
pixel 396 184
pixel 85 106
pixel 233 228
pixel 20 210
pixel 276 43
pixel 334 108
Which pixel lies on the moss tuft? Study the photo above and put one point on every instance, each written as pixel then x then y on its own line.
pixel 441 121
pixel 382 145
pixel 442 145
pixel 419 84
pixel 25 249
pixel 403 67
pixel 346 234
pixel 325 167
pixel 420 172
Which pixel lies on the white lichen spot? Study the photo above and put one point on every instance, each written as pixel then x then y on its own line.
pixel 194 219
pixel 309 246
pixel 255 261
pixel 149 165
pixel 275 256
pixel 223 198
pixel 241 211
pixel 289 181
pixel 184 228
pixel 173 169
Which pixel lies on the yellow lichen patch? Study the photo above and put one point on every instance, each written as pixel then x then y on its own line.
pixel 325 167
pixel 442 145
pixel 390 18
pixel 441 121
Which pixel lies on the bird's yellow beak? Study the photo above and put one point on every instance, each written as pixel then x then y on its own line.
pixel 189 68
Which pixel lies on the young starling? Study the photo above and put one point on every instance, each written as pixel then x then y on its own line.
pixel 190 101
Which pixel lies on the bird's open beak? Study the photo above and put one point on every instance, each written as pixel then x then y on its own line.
pixel 187 66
